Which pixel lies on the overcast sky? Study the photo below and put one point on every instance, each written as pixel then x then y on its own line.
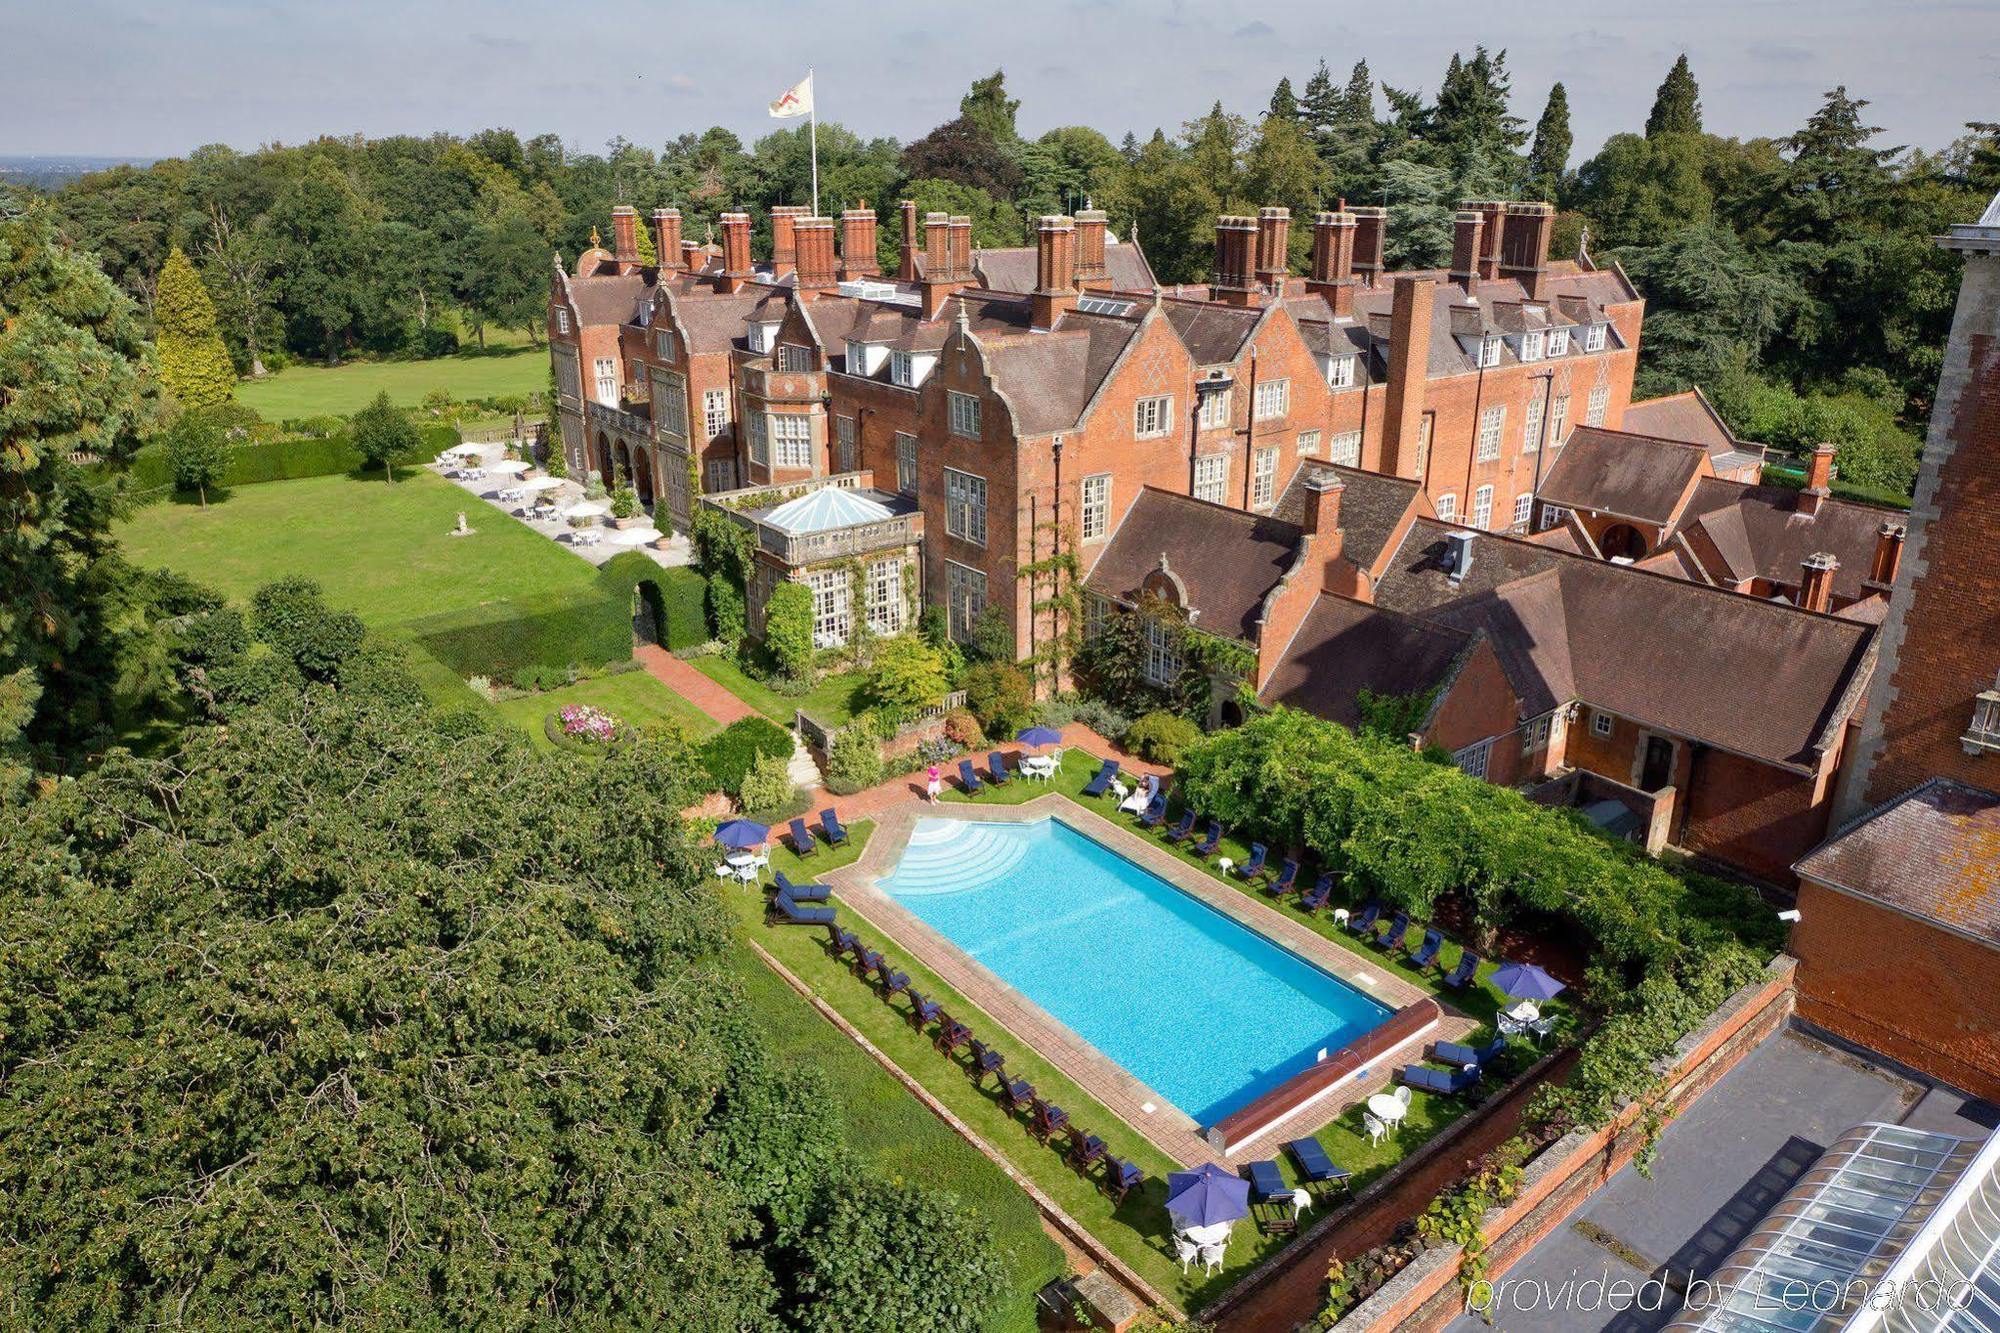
pixel 140 78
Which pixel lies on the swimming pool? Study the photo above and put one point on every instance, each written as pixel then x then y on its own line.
pixel 1203 1010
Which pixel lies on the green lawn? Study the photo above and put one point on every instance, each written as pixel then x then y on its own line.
pixel 381 550
pixel 630 696
pixel 306 391
pixel 1138 1231
pixel 833 701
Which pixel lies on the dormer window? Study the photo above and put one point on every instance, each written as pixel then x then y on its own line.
pixel 1593 338
pixel 1558 342
pixel 1489 351
pixel 1340 372
pixel 901 369
pixel 1532 343
pixel 1983 736
pixel 762 336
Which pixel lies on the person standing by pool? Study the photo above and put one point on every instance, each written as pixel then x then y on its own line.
pixel 936 783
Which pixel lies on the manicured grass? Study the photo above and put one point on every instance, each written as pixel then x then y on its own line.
pixel 307 391
pixel 378 549
pixel 630 696
pixel 1138 1231
pixel 832 701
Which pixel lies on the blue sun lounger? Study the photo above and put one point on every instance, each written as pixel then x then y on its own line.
pixel 1267 1185
pixel 1155 812
pixel 802 893
pixel 1214 839
pixel 967 778
pixel 787 912
pixel 830 828
pixel 1461 976
pixel 1427 953
pixel 802 838
pixel 1180 831
pixel 1320 894
pixel 1255 865
pixel 1101 782
pixel 1437 1080
pixel 996 768
pixel 1314 1165
pixel 1370 913
pixel 1287 880
pixel 1392 937
pixel 1451 1053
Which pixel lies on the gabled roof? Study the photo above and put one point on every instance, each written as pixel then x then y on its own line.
pixel 1759 532
pixel 1933 852
pixel 1051 378
pixel 1372 504
pixel 1227 560
pixel 1016 268
pixel 1689 417
pixel 1343 647
pixel 1617 472
pixel 610 298
pixel 1212 333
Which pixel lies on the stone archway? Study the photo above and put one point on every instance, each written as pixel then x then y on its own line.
pixel 600 461
pixel 622 458
pixel 1622 540
pixel 640 468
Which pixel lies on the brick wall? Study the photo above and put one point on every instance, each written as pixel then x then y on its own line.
pixel 1753 815
pixel 1892 983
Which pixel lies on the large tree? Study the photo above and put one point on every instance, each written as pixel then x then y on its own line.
pixel 1548 158
pixel 965 151
pixel 194 365
pixel 1677 104
pixel 321 252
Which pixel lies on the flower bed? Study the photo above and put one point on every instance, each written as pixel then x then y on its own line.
pixel 584 727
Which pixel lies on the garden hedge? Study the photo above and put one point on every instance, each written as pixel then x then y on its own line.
pixel 729 754
pixel 501 638
pixel 280 460
pixel 681 591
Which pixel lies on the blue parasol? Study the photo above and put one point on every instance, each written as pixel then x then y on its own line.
pixel 1207 1195
pixel 1039 736
pixel 1525 981
pixel 742 833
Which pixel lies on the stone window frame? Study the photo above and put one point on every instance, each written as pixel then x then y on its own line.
pixel 965 414
pixel 1559 342
pixel 1537 734
pixel 1094 511
pixel 670 398
pixel 847 443
pixel 1524 509
pixel 1264 477
pixel 1596 405
pixel 1482 507
pixel 1340 371
pixel 832 607
pixel 1558 420
pixel 791 445
pixel 1492 431
pixel 1211 472
pixel 1217 409
pixel 1272 401
pixel 963 585
pixel 1602 724
pixel 562 320
pixel 794 359
pixel 1161 663
pixel 965 506
pixel 1345 449
pixel 1447 507
pixel 1982 736
pixel 1152 416
pixel 603 371
pixel 714 411
pixel 1531 424
pixel 664 344
pixel 884 595
pixel 1475 759
pixel 1594 338
pixel 906 463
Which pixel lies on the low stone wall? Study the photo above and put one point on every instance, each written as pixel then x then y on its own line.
pixel 1426 1295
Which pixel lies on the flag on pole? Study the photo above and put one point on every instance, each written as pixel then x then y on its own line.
pixel 798 101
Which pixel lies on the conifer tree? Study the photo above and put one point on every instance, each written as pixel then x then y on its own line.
pixel 1319 107
pixel 194 365
pixel 1677 105
pixel 1284 106
pixel 648 256
pixel 1548 159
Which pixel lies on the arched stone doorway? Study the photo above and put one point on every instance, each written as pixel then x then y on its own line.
pixel 1622 541
pixel 600 459
pixel 621 457
pixel 641 466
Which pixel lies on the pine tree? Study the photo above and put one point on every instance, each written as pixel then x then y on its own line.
pixel 648 256
pixel 1548 160
pixel 194 365
pixel 1677 105
pixel 1471 116
pixel 1356 104
pixel 1319 108
pixel 1284 106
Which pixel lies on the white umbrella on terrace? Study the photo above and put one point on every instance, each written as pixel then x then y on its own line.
pixel 511 466
pixel 587 509
pixel 543 483
pixel 633 536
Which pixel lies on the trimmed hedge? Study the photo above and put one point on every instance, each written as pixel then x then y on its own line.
pixel 280 460
pixel 502 638
pixel 681 595
pixel 729 754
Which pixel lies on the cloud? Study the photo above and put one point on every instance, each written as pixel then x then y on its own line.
pixel 682 81
pixel 1259 28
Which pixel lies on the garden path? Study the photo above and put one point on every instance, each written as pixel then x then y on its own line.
pixel 691 685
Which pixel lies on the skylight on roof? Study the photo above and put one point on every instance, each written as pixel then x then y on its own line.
pixel 1100 305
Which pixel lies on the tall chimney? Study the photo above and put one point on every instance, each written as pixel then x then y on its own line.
pixel 1816 581
pixel 814 256
pixel 1524 255
pixel 625 234
pixel 1332 271
pixel 961 247
pixel 1055 270
pixel 1274 247
pixel 1493 230
pixel 937 246
pixel 906 267
pixel 784 238
pixel 1322 516
pixel 735 252
pixel 1371 234
pixel 1466 231
pixel 1235 279
pixel 1409 363
pixel 857 242
pixel 667 238
pixel 692 258
pixel 1819 480
pixel 1091 270
pixel 1888 553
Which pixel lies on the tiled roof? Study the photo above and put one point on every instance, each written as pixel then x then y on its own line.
pixel 1682 416
pixel 1617 472
pixel 1212 333
pixel 611 299
pixel 1226 559
pixel 1933 852
pixel 1758 532
pixel 1015 268
pixel 1050 378
pixel 1343 647
pixel 1371 505
pixel 1759 678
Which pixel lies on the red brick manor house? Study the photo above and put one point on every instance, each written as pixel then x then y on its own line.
pixel 1364 478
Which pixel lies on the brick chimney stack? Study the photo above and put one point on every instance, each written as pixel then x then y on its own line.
pixel 1493 231
pixel 1055 270
pixel 1524 255
pixel 1816 581
pixel 1409 360
pixel 1322 516
pixel 1888 553
pixel 1235 279
pixel 1371 234
pixel 1091 271
pixel 857 242
pixel 939 279
pixel 961 247
pixel 692 258
pixel 1332 272
pixel 625 234
pixel 906 267
pixel 1819 480
pixel 784 238
pixel 735 252
pixel 816 269
pixel 1467 230
pixel 1274 247
pixel 667 238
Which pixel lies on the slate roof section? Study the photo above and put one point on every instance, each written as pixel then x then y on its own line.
pixel 1015 268
pixel 1616 472
pixel 1050 378
pixel 1758 532
pixel 1371 506
pixel 610 299
pixel 1228 560
pixel 1213 334
pixel 1933 852
pixel 1343 647
pixel 1688 417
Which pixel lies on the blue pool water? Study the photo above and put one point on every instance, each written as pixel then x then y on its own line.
pixel 1204 1011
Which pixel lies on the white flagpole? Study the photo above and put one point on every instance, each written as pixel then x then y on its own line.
pixel 812 133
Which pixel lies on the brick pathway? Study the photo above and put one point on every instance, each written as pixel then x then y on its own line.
pixel 909 788
pixel 691 685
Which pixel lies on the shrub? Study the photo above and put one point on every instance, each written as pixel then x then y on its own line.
pixel 854 761
pixel 992 638
pixel 197 453
pixel 725 609
pixel 728 755
pixel 536 679
pixel 384 433
pixel 788 628
pixel 624 502
pixel 1000 696
pixel 292 616
pixel 767 786
pixel 962 729
pixel 1095 713
pixel 908 674
pixel 908 1254
pixel 934 628
pixel 212 638
pixel 1161 737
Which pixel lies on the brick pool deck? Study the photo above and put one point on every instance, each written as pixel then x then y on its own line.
pixel 1172 1130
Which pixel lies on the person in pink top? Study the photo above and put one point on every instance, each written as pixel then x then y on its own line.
pixel 936 783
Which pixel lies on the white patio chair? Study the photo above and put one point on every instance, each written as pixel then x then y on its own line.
pixel 1377 1131
pixel 1186 1251
pixel 1403 1094
pixel 1302 1202
pixel 1211 1257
